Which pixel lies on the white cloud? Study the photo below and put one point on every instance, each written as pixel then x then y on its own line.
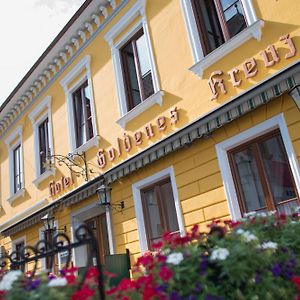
pixel 27 28
pixel 59 6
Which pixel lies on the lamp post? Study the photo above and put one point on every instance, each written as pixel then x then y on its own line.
pixel 295 94
pixel 48 221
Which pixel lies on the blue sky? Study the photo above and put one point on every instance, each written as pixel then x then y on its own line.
pixel 27 27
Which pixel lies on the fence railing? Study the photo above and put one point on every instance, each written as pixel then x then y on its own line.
pixel 48 249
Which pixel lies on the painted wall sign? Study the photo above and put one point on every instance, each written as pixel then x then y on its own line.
pixel 269 56
pixel 125 144
pixel 57 187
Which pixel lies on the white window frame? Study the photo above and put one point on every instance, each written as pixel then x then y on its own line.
pixel 201 62
pixel 277 122
pixel 137 10
pixel 79 255
pixel 82 65
pixel 37 119
pixel 17 241
pixel 136 190
pixel 14 140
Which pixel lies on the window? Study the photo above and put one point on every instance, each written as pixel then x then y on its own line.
pixel 41 119
pixel 19 247
pixel 157 207
pixel 218 21
pixel 136 70
pixel 80 105
pixel 217 27
pixel 159 210
pixel 44 145
pixel 16 173
pixel 263 176
pixel 83 117
pixel 260 169
pixel 17 169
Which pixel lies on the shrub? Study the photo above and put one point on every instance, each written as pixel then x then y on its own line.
pixel 254 259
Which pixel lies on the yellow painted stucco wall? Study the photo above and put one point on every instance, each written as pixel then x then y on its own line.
pixel 197 172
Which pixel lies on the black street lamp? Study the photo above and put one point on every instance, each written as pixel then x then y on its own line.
pixel 104 197
pixel 48 221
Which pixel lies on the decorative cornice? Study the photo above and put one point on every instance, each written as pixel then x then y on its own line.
pixel 81 37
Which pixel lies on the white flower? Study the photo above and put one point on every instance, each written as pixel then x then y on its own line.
pixel 240 231
pixel 247 235
pixel 58 282
pixel 219 254
pixel 8 279
pixel 175 258
pixel 269 245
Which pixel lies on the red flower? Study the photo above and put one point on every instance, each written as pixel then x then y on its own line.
pixel 83 294
pixel 149 292
pixel 146 261
pixel 92 273
pixel 71 278
pixel 157 245
pixel 296 281
pixel 126 284
pixel 165 273
pixel 112 291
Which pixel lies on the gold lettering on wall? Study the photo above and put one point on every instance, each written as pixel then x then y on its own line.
pixel 56 187
pixel 126 142
pixel 270 57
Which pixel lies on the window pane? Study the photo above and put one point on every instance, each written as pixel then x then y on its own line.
pixel 249 180
pixel 277 169
pixel 234 16
pixel 89 123
pixel 155 227
pixel 208 24
pixel 148 85
pixel 17 169
pixel 169 205
pixel 143 55
pixel 129 65
pixel 82 115
pixel 43 145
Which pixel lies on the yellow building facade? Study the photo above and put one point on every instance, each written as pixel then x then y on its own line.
pixel 183 108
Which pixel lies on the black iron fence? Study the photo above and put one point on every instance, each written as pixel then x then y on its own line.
pixel 61 244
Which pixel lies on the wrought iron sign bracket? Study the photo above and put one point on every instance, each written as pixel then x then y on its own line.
pixel 75 162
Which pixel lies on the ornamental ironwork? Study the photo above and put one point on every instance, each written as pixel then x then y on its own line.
pixel 48 248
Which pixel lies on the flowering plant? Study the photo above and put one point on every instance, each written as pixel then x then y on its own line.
pixel 16 286
pixel 257 258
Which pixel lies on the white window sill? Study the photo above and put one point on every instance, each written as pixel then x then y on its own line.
pixel 44 176
pixel 93 142
pixel 18 194
pixel 253 31
pixel 156 98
